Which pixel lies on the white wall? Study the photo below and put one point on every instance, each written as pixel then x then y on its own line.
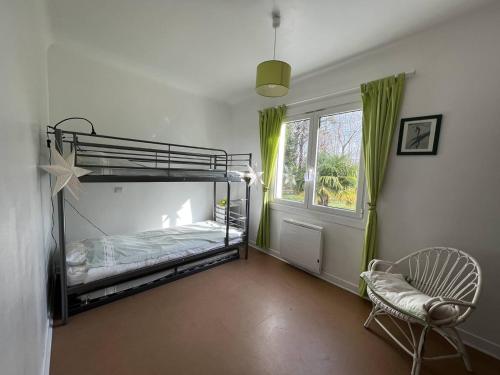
pixel 450 199
pixel 24 242
pixel 124 103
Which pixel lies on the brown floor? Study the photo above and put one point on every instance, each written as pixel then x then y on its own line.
pixel 259 316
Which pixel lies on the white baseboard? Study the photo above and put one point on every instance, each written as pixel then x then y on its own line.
pixel 47 349
pixel 483 345
pixel 341 283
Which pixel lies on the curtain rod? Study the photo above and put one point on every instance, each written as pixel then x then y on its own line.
pixel 341 92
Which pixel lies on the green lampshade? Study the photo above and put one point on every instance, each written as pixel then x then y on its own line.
pixel 273 78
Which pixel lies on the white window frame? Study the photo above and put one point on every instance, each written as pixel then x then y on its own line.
pixel 310 180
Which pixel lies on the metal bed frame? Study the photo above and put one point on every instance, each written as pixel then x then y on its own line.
pixel 152 162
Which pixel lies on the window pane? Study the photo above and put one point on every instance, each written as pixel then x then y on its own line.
pixel 292 161
pixel 337 160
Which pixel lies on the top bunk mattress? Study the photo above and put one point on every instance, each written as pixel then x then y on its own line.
pixel 93 259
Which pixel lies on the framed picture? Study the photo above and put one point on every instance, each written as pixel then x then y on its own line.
pixel 419 135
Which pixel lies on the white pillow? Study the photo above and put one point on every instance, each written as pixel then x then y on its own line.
pixel 76 254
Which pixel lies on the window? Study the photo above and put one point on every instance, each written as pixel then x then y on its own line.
pixel 319 162
pixel 292 160
pixel 337 160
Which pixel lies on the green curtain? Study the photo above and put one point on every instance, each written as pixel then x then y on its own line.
pixel 270 120
pixel 381 103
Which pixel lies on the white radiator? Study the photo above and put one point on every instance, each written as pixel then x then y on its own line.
pixel 301 244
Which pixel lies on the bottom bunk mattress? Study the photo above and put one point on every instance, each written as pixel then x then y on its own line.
pixel 94 259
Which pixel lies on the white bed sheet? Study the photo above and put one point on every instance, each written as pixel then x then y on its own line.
pixel 95 259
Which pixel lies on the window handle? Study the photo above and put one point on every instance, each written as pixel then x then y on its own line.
pixel 309 175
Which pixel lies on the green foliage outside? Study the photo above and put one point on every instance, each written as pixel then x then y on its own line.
pixel 294 168
pixel 336 183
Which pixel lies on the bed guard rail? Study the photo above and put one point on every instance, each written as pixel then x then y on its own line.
pixel 96 152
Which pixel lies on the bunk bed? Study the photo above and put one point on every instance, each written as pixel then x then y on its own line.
pixel 93 272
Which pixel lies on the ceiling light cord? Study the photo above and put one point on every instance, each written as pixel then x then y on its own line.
pixel 274 49
pixel 276 23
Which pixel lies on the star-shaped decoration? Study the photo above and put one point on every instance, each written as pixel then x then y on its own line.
pixel 252 175
pixel 66 173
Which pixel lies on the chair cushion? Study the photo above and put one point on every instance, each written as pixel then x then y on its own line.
pixel 399 294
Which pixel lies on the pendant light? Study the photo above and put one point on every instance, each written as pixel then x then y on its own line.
pixel 273 76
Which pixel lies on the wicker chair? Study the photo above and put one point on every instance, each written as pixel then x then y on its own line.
pixel 448 280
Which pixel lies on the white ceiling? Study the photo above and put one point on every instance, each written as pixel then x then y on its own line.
pixel 212 47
